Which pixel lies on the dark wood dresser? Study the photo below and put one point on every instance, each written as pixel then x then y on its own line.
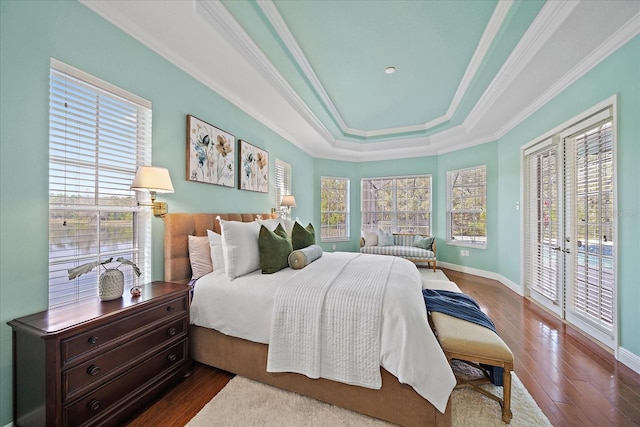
pixel 97 362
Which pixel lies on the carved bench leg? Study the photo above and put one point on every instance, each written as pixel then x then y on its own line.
pixel 506 396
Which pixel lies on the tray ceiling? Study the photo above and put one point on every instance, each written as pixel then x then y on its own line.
pixel 313 71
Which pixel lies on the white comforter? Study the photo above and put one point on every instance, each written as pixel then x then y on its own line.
pixel 408 349
pixel 340 314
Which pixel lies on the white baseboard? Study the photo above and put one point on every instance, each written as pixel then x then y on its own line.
pixel 629 359
pixel 9 425
pixel 483 273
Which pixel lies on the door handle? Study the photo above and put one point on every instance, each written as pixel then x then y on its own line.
pixel 557 248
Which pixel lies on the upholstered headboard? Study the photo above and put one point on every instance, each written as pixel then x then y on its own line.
pixel 177 226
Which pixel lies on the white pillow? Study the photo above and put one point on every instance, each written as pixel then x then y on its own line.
pixel 288 225
pixel 271 224
pixel 370 238
pixel 240 247
pixel 199 256
pixel 215 251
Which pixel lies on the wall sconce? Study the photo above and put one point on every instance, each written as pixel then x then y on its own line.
pixel 288 202
pixel 154 180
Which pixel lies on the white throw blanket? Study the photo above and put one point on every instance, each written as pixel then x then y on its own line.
pixel 328 325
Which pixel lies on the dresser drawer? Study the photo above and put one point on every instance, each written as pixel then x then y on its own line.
pixel 76 380
pixel 96 403
pixel 95 338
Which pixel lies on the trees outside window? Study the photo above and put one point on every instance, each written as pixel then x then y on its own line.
pixel 467 207
pixel 397 204
pixel 334 209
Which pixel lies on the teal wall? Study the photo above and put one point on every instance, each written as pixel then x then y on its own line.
pixel 32 32
pixel 618 74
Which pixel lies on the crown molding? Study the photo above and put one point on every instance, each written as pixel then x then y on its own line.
pixel 489 35
pixel 323 144
pixel 122 21
pixel 493 27
pixel 624 34
pixel 216 15
pixel 550 18
pixel 273 16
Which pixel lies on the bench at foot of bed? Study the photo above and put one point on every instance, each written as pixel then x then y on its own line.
pixel 475 344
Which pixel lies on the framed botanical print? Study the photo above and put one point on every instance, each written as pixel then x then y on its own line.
pixel 210 156
pixel 253 167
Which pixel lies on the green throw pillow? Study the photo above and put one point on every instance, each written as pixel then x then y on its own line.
pixel 301 237
pixel 275 248
pixel 423 242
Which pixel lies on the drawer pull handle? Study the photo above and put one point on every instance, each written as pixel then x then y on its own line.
pixel 172 357
pixel 93 339
pixel 172 331
pixel 170 308
pixel 93 370
pixel 94 405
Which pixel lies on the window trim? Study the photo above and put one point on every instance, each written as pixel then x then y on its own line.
pixel 346 212
pixel 450 240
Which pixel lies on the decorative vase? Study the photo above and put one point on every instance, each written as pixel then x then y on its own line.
pixel 111 285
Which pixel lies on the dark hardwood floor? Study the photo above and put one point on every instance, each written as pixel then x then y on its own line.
pixel 573 380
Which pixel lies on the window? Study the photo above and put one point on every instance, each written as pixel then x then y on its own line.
pixel 467 207
pixel 98 136
pixel 283 181
pixel 334 213
pixel 400 204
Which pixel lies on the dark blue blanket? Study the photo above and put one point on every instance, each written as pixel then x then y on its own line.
pixel 458 305
pixel 463 307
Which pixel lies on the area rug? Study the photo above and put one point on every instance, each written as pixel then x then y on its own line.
pixel 243 402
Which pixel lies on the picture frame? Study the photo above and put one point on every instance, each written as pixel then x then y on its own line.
pixel 253 168
pixel 210 154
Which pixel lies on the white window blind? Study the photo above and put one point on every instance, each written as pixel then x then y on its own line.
pixel 467 207
pixel 283 181
pixel 542 222
pixel 334 194
pixel 397 204
pixel 98 136
pixel 591 180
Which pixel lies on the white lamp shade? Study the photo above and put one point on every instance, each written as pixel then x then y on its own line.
pixel 288 201
pixel 152 179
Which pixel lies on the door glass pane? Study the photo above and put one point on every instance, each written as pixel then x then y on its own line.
pixel 546 254
pixel 593 287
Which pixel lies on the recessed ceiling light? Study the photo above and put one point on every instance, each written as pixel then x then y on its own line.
pixel 390 70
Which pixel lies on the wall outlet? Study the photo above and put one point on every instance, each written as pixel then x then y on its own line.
pixel 334 247
pixel 464 252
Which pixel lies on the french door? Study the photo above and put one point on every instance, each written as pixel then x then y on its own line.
pixel 569 225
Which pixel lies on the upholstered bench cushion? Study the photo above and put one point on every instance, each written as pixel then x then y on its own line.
pixel 440 285
pixel 465 338
pixel 401 251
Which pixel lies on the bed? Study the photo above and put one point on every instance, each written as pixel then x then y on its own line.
pixel 394 401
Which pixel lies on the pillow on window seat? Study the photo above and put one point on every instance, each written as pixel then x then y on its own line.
pixel 385 239
pixel 423 242
pixel 370 238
